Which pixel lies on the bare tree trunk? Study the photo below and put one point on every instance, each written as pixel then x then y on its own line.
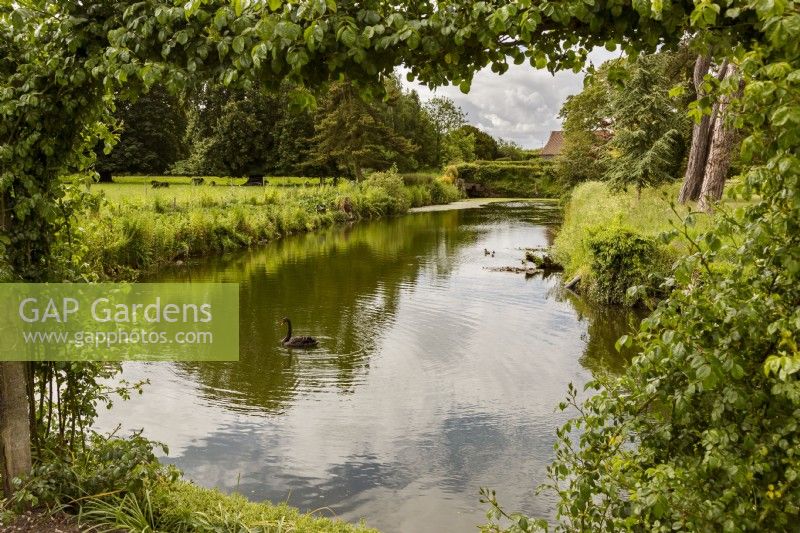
pixel 693 179
pixel 15 438
pixel 701 135
pixel 719 154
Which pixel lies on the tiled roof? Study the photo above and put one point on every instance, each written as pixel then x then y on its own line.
pixel 554 144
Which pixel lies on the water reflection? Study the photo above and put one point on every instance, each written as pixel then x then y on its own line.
pixel 434 376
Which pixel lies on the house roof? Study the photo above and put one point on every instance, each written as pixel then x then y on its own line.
pixel 554 144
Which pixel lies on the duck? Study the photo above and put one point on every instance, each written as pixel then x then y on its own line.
pixel 296 342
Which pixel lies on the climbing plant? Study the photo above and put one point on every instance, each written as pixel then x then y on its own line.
pixel 701 433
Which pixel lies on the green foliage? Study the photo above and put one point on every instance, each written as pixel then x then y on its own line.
pixel 445 116
pixel 528 179
pixel 232 132
pixel 104 466
pixel 594 207
pixel 586 116
pixel 581 158
pixel 486 147
pixel 138 228
pixel 510 151
pixel 152 135
pixel 458 146
pixel 623 259
pixel 651 130
pixel 625 126
pixel 385 192
pixel 116 484
pixel 701 433
pixel 498 518
pixel 354 134
pixel 408 118
pixel 125 513
pixel 184 506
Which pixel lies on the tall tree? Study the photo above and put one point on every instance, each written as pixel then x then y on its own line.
pixel 152 135
pixel 407 117
pixel 650 130
pixel 351 131
pixel 486 147
pixel 15 450
pixel 232 132
pixel 446 116
pixel 587 119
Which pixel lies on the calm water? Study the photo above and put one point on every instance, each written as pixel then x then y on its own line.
pixel 434 375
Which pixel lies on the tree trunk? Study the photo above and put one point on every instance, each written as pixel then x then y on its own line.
pixel 15 438
pixel 701 135
pixel 719 154
pixel 693 179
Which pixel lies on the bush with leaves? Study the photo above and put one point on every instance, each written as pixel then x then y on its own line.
pixel 386 192
pixel 104 466
pixel 621 259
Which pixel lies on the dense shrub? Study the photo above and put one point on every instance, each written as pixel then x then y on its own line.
pixel 386 193
pixel 104 466
pixel 534 178
pixel 622 259
pixel 443 192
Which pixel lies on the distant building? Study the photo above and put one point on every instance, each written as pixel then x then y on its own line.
pixel 556 142
pixel 554 145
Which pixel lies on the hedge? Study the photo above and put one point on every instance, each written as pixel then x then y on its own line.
pixel 533 178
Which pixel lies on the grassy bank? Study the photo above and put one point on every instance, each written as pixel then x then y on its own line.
pixel 133 227
pixel 182 506
pixel 614 240
pixel 117 484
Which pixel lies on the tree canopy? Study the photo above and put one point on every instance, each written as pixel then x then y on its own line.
pixel 151 135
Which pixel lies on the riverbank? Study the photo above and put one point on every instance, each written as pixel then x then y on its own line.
pixel 177 506
pixel 132 228
pixel 612 241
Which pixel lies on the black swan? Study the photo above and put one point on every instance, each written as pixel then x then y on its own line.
pixel 296 342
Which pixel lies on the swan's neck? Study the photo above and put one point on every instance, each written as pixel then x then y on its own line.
pixel 289 332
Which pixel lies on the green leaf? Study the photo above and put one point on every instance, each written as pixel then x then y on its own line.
pixel 677 91
pixel 238 7
pixel 238 44
pixel 625 341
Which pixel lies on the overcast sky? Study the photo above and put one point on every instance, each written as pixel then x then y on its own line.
pixel 521 105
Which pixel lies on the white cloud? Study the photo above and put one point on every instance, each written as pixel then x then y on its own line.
pixel 521 105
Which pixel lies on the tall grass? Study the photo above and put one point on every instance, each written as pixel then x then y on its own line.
pixel 598 219
pixel 594 208
pixel 139 228
pixel 179 506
